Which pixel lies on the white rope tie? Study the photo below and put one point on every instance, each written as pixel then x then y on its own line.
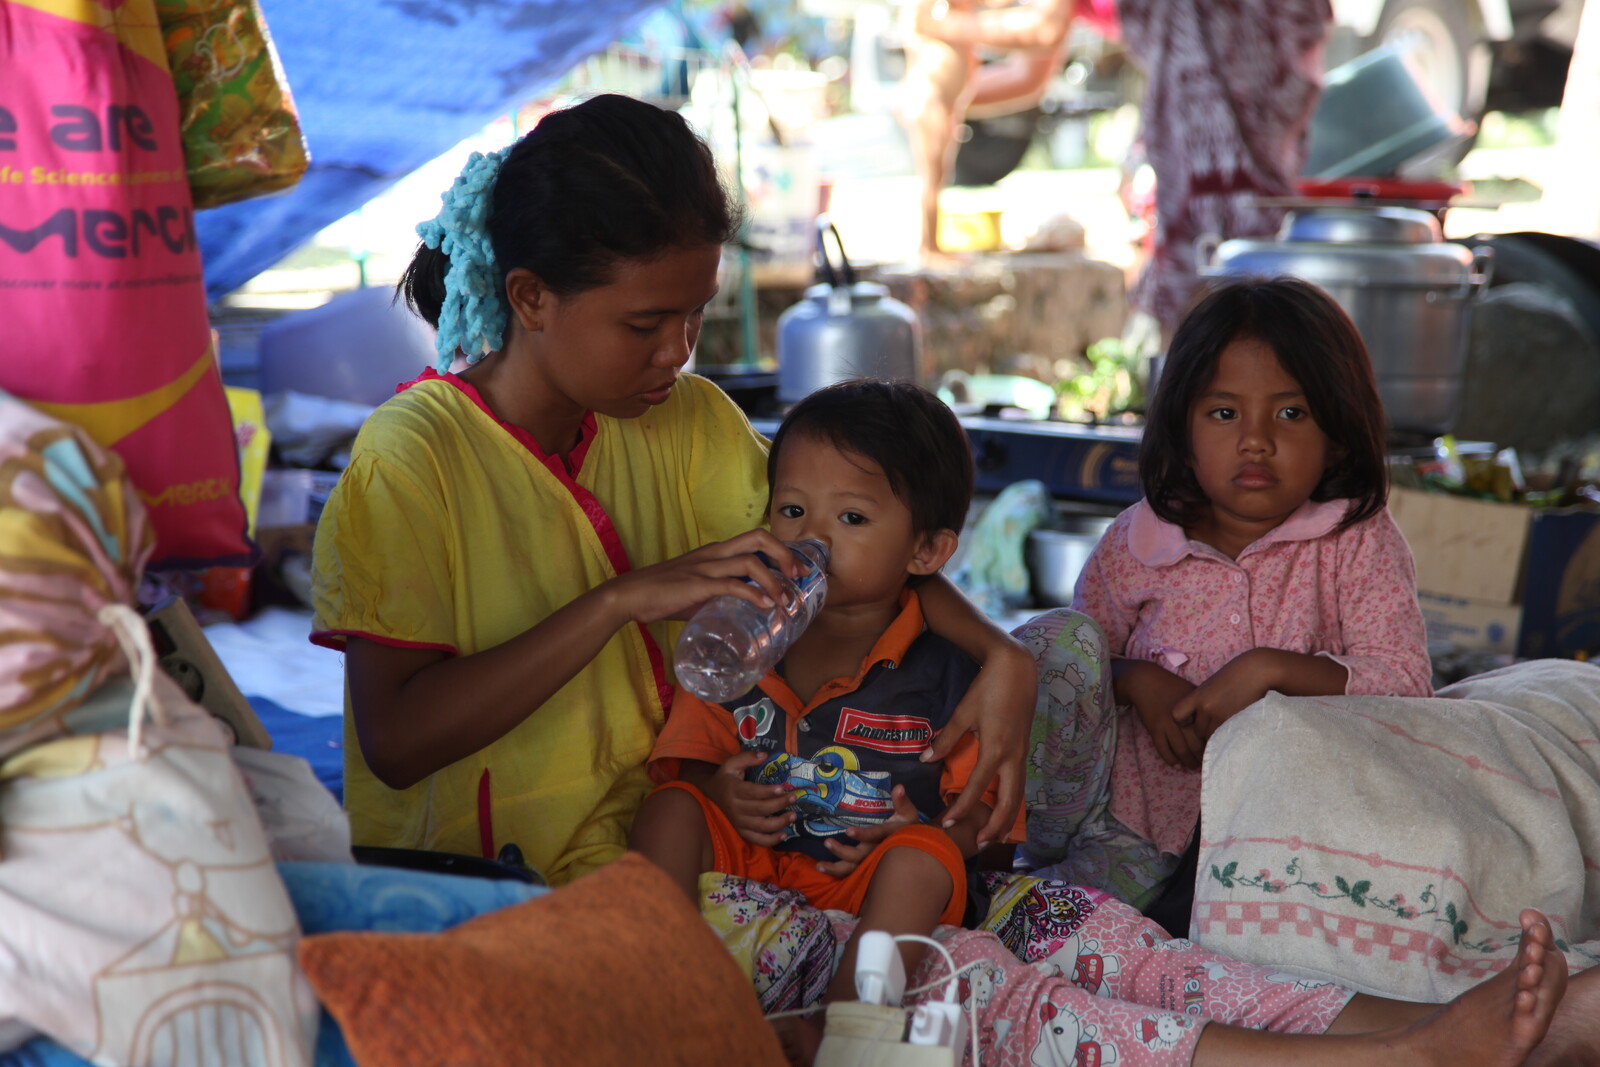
pixel 129 628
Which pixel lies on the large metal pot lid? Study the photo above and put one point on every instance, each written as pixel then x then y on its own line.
pixel 1425 266
pixel 1348 225
pixel 1387 246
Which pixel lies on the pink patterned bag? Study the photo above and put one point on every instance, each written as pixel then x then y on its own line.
pixel 101 290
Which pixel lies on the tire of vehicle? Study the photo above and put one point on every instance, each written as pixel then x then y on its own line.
pixel 1449 48
pixel 995 147
pixel 1568 265
pixel 1532 373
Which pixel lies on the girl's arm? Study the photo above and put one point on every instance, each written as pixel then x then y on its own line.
pixel 1384 643
pixel 998 706
pixel 1384 640
pixel 1149 688
pixel 1155 693
pixel 1248 677
pixel 417 711
pixel 1095 593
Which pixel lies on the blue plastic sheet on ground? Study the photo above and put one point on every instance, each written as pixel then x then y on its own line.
pixel 317 739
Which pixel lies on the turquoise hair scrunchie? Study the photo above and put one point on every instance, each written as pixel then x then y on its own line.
pixel 473 317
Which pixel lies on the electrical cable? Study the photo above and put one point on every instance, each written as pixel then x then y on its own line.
pixel 952 989
pixel 952 992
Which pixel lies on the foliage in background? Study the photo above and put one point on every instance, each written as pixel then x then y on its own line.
pixel 1112 385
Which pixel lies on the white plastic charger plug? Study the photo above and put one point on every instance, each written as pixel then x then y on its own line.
pixel 880 972
pixel 938 1022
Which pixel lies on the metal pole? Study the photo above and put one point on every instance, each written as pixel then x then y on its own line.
pixel 749 356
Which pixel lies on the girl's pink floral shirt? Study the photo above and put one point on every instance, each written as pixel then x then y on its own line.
pixel 1350 595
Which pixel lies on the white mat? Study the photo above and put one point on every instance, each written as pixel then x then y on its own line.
pixel 271 656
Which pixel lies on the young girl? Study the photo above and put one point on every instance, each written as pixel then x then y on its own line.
pixel 1262 558
pixel 501 559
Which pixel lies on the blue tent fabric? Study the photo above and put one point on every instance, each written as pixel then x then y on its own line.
pixel 382 88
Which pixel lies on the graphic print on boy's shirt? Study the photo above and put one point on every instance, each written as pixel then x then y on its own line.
pixel 842 757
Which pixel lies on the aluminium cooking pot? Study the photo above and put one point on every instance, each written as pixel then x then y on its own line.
pixel 844 328
pixel 1055 556
pixel 1408 291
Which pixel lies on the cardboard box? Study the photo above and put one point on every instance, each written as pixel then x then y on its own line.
pixel 1471 549
pixel 1478 558
pixel 1471 625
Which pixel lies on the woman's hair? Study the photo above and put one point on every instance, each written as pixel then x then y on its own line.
pixel 913 437
pixel 1317 345
pixel 607 180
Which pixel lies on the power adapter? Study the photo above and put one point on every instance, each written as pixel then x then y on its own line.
pixel 880 972
pixel 938 1022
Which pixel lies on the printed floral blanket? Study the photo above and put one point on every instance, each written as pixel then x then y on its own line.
pixel 1389 844
pixel 789 949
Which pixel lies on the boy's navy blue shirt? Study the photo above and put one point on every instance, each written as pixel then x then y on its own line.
pixel 859 737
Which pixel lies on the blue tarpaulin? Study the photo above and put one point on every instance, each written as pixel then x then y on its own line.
pixel 384 86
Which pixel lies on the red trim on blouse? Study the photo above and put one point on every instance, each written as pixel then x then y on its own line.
pixel 485 817
pixel 586 428
pixel 335 639
pixel 592 509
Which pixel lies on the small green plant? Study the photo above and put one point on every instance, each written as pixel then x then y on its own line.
pixel 1111 385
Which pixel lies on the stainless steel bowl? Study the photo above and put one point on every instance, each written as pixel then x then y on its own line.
pixel 1056 555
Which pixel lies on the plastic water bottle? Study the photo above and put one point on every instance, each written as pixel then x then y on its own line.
pixel 730 644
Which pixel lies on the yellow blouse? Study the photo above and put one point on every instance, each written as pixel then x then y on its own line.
pixel 451 530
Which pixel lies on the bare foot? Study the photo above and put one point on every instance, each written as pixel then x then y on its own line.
pixel 1574 1036
pixel 800 1036
pixel 1497 1023
pixel 1500 1020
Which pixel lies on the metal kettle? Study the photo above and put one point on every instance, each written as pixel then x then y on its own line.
pixel 844 328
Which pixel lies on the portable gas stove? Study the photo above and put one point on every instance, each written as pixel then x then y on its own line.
pixel 1098 464
pixel 1094 464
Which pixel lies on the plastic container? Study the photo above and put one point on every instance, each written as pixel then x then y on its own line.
pixel 730 644
pixel 1375 116
pixel 358 347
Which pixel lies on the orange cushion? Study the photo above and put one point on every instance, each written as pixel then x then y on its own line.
pixel 615 968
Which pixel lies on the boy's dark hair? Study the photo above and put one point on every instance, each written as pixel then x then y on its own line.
pixel 1317 345
pixel 913 437
pixel 610 179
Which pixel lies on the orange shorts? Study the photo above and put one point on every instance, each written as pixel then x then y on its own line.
pixel 732 854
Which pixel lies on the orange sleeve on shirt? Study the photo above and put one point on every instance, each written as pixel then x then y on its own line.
pixel 694 730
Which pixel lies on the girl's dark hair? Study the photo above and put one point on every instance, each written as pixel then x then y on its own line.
pixel 1317 345
pixel 913 437
pixel 610 179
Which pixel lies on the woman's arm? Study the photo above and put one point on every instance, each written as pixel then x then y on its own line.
pixel 417 711
pixel 998 706
pixel 1041 25
pixel 1013 84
